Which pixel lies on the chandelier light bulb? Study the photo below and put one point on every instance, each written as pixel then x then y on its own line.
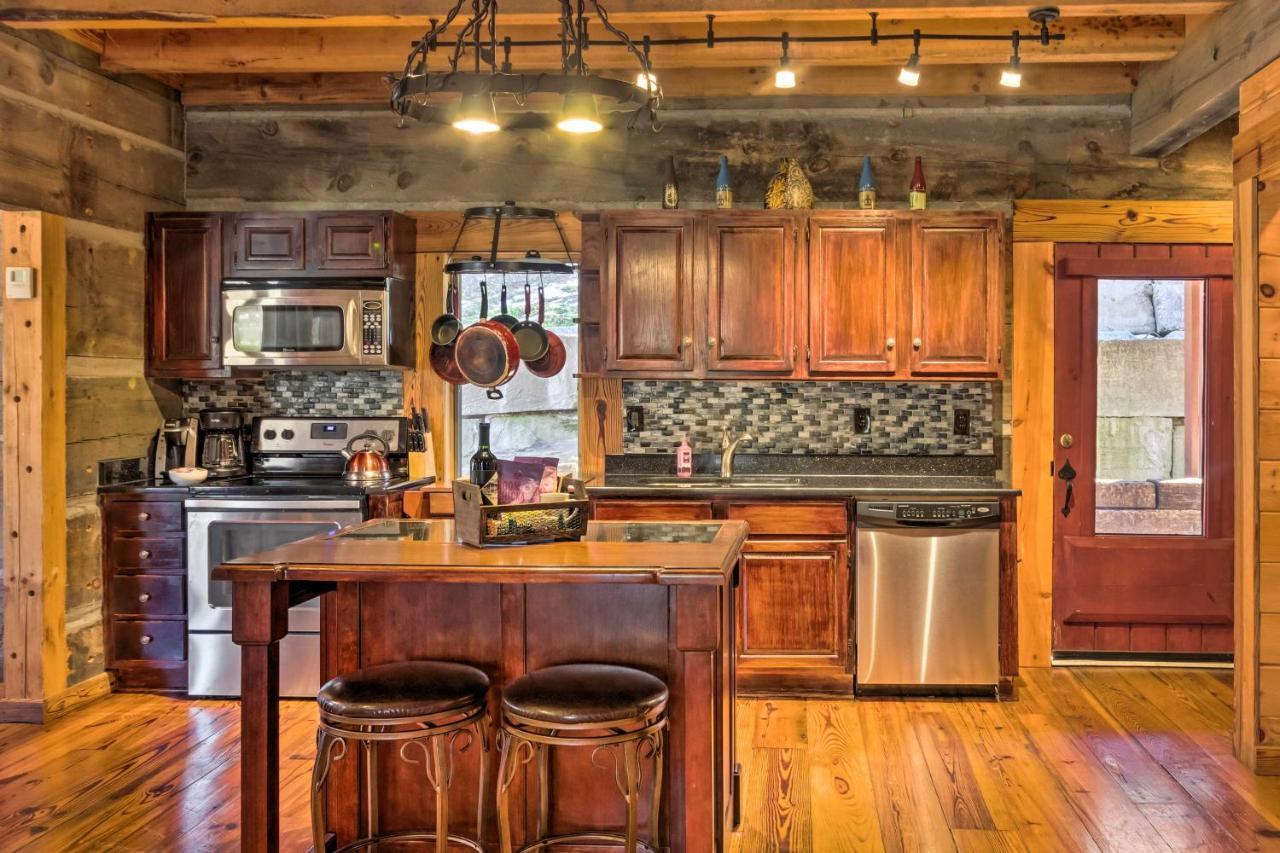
pixel 648 81
pixel 580 114
pixel 476 114
pixel 909 75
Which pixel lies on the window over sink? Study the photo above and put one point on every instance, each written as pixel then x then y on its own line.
pixel 535 417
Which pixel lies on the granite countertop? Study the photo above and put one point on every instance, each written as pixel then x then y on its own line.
pixel 799 486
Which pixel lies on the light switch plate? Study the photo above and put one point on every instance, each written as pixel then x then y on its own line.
pixel 20 283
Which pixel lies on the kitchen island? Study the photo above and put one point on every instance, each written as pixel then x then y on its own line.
pixel 656 596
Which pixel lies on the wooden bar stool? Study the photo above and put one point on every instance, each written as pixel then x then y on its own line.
pixel 609 708
pixel 427 705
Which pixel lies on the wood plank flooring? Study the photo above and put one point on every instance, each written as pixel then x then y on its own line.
pixel 1087 759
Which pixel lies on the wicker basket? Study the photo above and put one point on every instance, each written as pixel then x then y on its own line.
pixel 518 524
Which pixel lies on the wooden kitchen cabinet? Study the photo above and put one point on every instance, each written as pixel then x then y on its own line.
pixel 794 294
pixel 751 292
pixel 184 297
pixel 957 301
pixel 649 293
pixel 855 312
pixel 273 243
pixel 350 241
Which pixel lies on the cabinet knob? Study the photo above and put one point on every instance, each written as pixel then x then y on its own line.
pixel 916 343
pixel 146 639
pixel 685 343
pixel 890 343
pixel 144 597
pixel 144 554
pixel 144 516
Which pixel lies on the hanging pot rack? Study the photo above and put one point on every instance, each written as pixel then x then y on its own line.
pixel 532 260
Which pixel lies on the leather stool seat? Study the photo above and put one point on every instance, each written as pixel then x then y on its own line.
pixel 415 688
pixel 581 694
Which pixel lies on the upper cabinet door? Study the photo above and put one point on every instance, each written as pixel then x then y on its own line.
pixel 184 311
pixel 751 275
pixel 355 242
pixel 854 265
pixel 648 283
pixel 268 243
pixel 956 295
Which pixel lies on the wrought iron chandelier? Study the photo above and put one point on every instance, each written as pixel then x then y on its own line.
pixel 476 68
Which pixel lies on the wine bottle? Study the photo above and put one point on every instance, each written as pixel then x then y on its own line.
pixel 918 195
pixel 724 189
pixel 670 189
pixel 484 468
pixel 867 186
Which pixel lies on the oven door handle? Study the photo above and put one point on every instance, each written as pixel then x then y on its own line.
pixel 223 504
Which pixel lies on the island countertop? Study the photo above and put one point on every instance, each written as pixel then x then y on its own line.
pixel 389 550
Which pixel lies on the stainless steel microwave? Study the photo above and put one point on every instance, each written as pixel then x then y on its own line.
pixel 318 324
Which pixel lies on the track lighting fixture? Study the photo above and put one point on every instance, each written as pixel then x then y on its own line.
pixel 784 77
pixel 909 75
pixel 1011 76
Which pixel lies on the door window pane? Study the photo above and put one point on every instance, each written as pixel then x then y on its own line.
pixel 1150 424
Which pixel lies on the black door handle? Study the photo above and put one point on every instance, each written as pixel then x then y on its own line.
pixel 1066 473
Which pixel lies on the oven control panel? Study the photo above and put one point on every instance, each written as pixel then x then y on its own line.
pixel 322 435
pixel 371 321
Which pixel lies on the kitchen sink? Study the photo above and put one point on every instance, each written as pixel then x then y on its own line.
pixel 747 482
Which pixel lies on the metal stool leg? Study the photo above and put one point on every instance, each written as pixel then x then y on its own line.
pixel 544 790
pixel 371 787
pixel 319 773
pixel 506 775
pixel 631 771
pixel 486 768
pixel 657 743
pixel 440 751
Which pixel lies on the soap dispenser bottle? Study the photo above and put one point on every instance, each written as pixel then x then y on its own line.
pixel 684 459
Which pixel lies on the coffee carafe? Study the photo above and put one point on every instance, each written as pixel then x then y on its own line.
pixel 222 442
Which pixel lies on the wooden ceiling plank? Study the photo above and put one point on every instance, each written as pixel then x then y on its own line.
pixel 338 89
pixel 220 51
pixel 127 14
pixel 1193 91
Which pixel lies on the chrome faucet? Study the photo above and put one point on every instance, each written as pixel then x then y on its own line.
pixel 728 448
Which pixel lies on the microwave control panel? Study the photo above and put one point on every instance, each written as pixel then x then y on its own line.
pixel 372 323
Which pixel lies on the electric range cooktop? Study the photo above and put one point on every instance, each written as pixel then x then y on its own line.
pixel 260 486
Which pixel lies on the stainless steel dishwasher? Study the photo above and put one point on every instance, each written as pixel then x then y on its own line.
pixel 928 593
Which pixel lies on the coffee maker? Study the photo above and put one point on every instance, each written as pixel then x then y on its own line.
pixel 176 445
pixel 222 442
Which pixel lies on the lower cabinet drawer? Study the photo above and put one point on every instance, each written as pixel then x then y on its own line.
pixel 147 553
pixel 148 595
pixel 149 640
pixel 142 516
pixel 640 510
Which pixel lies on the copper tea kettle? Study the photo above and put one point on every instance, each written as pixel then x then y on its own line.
pixel 367 465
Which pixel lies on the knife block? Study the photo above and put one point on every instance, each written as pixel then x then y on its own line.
pixel 422 464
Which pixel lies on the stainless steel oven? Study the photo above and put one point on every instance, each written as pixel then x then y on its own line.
pixel 305 323
pixel 221 529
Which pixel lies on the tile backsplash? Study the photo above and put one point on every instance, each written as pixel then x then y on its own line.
pixel 813 418
pixel 299 393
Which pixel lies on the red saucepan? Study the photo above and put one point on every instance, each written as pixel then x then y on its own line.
pixel 487 352
pixel 443 356
pixel 552 361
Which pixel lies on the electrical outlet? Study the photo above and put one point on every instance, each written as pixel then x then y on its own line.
pixel 861 420
pixel 961 422
pixel 635 419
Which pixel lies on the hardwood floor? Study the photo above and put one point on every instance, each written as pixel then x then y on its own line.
pixel 1087 759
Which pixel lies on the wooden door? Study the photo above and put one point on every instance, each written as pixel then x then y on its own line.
pixel 854 295
pixel 957 302
pixel 650 295
pixel 751 276
pixel 184 310
pixel 1143 500
pixel 268 243
pixel 793 616
pixel 350 242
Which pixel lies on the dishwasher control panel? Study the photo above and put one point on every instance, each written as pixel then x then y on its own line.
pixel 941 511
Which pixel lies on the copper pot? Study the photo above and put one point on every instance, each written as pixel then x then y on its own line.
pixel 364 466
pixel 487 352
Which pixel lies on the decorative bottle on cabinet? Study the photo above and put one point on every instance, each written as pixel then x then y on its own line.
pixel 867 186
pixel 670 189
pixel 724 190
pixel 918 194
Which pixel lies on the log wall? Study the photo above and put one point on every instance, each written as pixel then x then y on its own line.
pixel 101 151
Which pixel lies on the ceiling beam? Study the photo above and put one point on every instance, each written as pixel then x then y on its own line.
pixel 1179 99
pixel 131 14
pixel 361 89
pixel 266 51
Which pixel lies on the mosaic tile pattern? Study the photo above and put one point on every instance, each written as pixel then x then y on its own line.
pixel 813 418
pixel 302 393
